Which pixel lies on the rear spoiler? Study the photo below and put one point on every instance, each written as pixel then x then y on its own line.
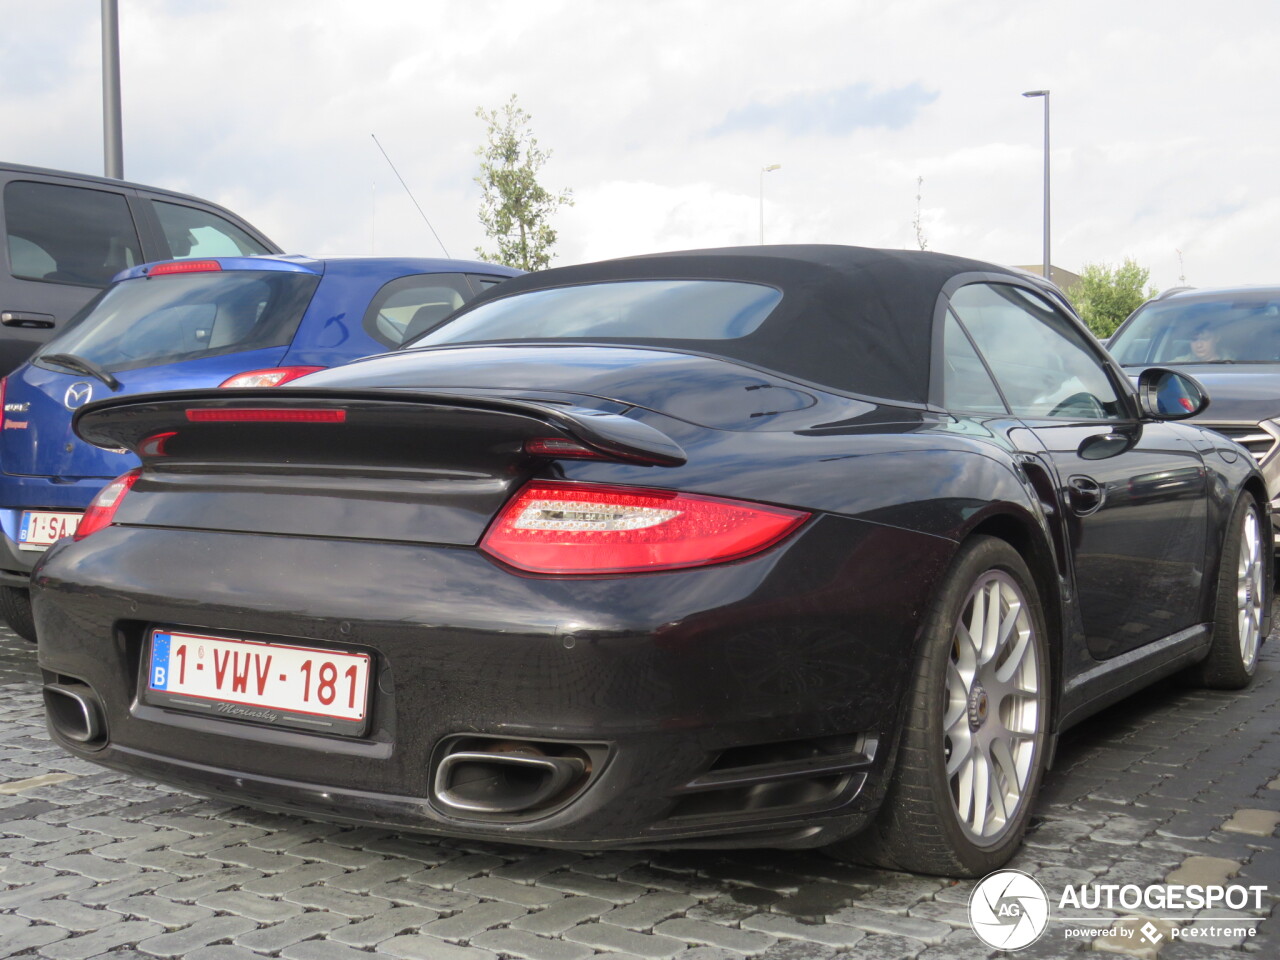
pixel 128 421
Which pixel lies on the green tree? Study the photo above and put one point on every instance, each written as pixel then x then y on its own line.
pixel 1105 295
pixel 515 208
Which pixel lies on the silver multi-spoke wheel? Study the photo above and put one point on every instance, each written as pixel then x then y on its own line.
pixel 1250 589
pixel 992 713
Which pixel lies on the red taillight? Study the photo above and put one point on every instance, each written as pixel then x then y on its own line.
pixel 281 415
pixel 269 377
pixel 104 505
pixel 561 449
pixel 584 528
pixel 184 266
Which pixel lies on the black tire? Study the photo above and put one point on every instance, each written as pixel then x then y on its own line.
pixel 1242 603
pixel 15 607
pixel 920 826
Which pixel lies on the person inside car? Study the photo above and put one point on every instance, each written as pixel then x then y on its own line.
pixel 1204 347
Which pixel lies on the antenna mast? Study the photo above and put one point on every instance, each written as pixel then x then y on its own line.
pixel 411 196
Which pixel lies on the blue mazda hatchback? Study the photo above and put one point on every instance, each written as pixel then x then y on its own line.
pixel 226 321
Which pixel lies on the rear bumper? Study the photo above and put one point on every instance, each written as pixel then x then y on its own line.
pixel 748 704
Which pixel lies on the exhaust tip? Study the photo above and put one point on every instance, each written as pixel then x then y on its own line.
pixel 74 712
pixel 486 778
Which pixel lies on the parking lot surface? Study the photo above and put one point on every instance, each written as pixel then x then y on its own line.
pixel 1172 786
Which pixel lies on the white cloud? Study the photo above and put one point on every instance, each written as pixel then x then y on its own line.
pixel 1162 116
pixel 625 218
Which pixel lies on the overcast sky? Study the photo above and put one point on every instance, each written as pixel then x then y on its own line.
pixel 661 114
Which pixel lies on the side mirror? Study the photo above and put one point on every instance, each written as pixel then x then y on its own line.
pixel 1169 395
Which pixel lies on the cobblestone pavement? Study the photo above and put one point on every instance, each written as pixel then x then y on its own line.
pixel 1175 784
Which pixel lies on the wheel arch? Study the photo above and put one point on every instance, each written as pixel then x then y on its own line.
pixel 913 829
pixel 1258 489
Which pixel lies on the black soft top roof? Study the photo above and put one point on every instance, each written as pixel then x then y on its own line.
pixel 853 318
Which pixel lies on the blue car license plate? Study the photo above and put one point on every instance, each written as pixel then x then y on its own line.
pixel 41 528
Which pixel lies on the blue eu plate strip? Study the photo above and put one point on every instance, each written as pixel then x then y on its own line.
pixel 160 661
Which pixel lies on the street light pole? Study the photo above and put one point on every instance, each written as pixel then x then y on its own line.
pixel 1045 95
pixel 112 135
pixel 763 170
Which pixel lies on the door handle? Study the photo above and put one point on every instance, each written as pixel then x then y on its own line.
pixel 35 321
pixel 1102 446
pixel 1084 495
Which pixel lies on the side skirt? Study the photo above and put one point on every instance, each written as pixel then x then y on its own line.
pixel 1112 680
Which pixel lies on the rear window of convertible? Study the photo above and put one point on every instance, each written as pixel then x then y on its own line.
pixel 633 311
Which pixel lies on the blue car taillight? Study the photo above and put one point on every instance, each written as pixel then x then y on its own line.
pixel 268 377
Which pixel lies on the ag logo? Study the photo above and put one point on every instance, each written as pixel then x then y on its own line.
pixel 77 395
pixel 1008 910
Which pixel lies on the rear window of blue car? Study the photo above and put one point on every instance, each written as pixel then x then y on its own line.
pixel 167 319
pixel 631 311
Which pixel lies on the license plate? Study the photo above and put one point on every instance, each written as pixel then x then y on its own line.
pixel 40 528
pixel 304 687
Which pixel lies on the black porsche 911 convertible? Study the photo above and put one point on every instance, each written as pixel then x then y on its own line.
pixel 771 546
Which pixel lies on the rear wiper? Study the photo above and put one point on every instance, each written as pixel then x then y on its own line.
pixel 80 365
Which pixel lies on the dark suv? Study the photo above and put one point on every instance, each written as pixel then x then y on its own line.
pixel 67 234
pixel 1229 340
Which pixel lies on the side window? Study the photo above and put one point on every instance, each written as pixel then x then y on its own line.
pixel 966 385
pixel 68 234
pixel 409 306
pixel 191 232
pixel 1042 363
pixel 483 282
pixel 28 259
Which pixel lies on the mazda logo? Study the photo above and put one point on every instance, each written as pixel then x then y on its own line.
pixel 77 395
